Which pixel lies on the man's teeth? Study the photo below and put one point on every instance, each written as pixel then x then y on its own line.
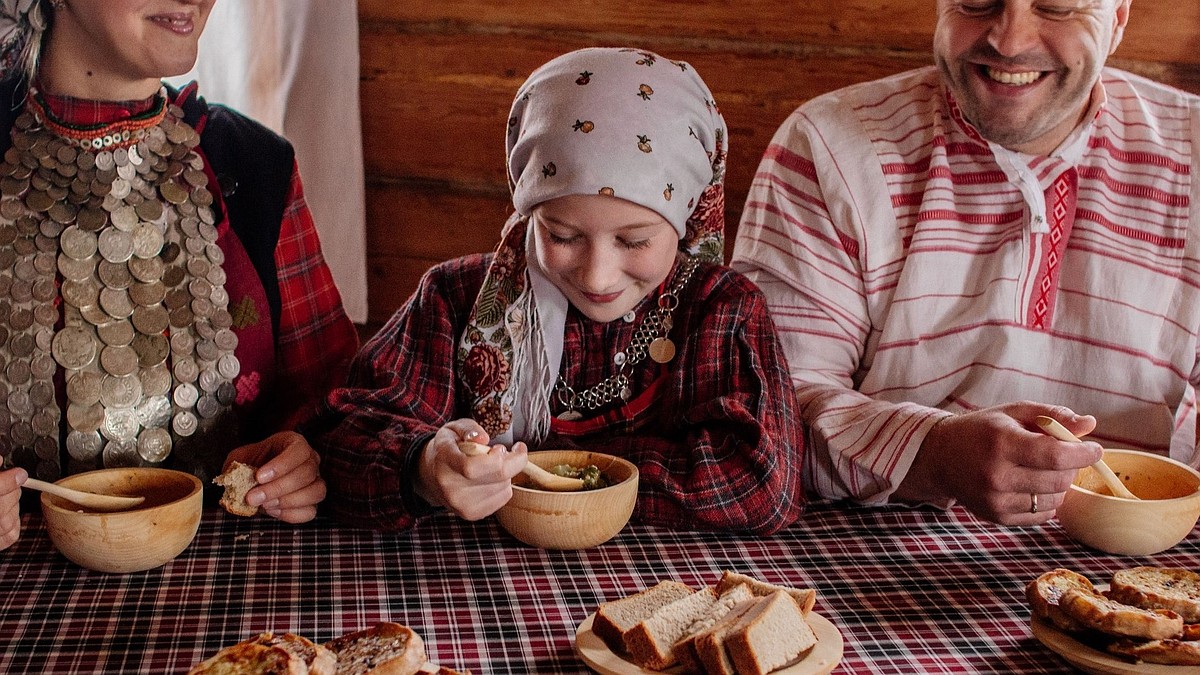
pixel 1005 77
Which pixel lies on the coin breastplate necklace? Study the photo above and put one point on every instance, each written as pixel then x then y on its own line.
pixel 110 270
pixel 650 339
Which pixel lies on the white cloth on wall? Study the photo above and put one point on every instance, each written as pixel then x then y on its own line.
pixel 293 65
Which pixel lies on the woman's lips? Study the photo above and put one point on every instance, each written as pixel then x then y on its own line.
pixel 601 299
pixel 182 24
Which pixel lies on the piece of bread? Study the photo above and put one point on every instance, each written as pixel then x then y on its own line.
pixel 1159 588
pixel 1169 652
pixel 1106 615
pixel 249 658
pixel 651 642
pixel 685 648
pixel 320 661
pixel 385 649
pixel 769 636
pixel 710 643
pixel 1045 593
pixel 805 597
pixel 238 479
pixel 614 618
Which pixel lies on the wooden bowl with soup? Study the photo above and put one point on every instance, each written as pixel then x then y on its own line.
pixel 146 536
pixel 1165 512
pixel 571 520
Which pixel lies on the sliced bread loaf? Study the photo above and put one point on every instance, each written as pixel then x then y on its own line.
pixel 771 635
pixel 237 480
pixel 614 618
pixel 1159 588
pixel 685 649
pixel 805 597
pixel 710 643
pixel 650 643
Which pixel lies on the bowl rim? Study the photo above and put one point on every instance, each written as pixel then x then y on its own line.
pixel 632 477
pixel 197 486
pixel 1128 451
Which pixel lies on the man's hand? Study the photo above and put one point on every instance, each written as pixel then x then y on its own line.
pixel 10 501
pixel 290 485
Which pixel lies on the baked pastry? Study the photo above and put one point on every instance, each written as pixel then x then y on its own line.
pixel 238 479
pixel 250 658
pixel 1109 616
pixel 1159 588
pixel 650 643
pixel 1045 593
pixel 1169 652
pixel 319 660
pixel 614 618
pixel 385 649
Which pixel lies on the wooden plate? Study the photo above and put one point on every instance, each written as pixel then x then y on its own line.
pixel 1094 661
pixel 823 658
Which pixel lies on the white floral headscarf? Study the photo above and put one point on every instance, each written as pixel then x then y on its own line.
pixel 15 31
pixel 622 122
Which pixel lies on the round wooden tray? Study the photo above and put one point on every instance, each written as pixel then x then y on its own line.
pixel 1094 661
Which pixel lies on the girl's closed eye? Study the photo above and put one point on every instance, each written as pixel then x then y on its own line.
pixel 635 244
pixel 562 240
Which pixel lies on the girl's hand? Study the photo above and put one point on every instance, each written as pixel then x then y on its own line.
pixel 472 486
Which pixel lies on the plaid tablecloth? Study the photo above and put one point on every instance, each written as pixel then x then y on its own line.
pixel 911 590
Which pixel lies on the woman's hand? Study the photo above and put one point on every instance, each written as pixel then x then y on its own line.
pixel 289 477
pixel 474 487
pixel 10 501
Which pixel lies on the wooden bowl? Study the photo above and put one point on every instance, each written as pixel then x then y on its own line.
pixel 141 538
pixel 571 520
pixel 1165 512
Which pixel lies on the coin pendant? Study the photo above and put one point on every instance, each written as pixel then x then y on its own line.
pixel 662 350
pixel 570 416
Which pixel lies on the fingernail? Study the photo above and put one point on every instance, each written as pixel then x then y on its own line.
pixel 265 475
pixel 472 434
pixel 274 513
pixel 22 475
pixel 255 497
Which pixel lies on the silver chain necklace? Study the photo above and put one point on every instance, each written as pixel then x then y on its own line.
pixel 650 339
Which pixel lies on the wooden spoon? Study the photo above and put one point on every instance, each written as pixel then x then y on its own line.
pixel 550 481
pixel 1115 485
pixel 91 500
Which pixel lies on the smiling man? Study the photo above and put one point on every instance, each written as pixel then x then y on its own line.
pixel 953 251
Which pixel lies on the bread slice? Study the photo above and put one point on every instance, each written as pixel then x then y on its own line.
pixel 710 643
pixel 1159 588
pixel 319 660
pixel 238 479
pixel 614 618
pixel 772 634
pixel 385 649
pixel 1106 615
pixel 249 658
pixel 685 649
pixel 1168 652
pixel 650 643
pixel 1045 593
pixel 805 597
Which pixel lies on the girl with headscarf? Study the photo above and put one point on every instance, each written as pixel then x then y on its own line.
pixel 163 299
pixel 602 321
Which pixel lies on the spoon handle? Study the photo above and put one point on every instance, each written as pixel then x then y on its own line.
pixel 1057 430
pixel 88 499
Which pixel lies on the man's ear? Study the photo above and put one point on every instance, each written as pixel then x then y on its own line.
pixel 1120 19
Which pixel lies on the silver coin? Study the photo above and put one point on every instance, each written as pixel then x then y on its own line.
pixel 154 411
pixel 78 243
pixel 19 403
pixel 118 454
pixel 74 347
pixel 190 227
pixel 184 423
pixel 120 188
pixel 24 270
pixel 20 318
pixel 21 291
pixel 42 366
pixel 17 372
pixel 208 407
pixel 45 314
pixel 202 308
pixel 76 269
pixel 185 395
pixel 48 471
pixel 229 366
pixel 204 329
pixel 43 261
pixel 153 320
pixel 22 345
pixel 120 391
pixel 41 394
pixel 85 418
pixel 104 160
pixel 116 302
pixel 150 210
pixel 200 288
pixel 43 291
pixel 91 219
pixel 151 349
pixel 120 424
pixel 147 294
pixel 22 433
pixel 182 342
pixel 127 172
pixel 116 333
pixel 207 350
pixel 198 267
pixel 154 444
pixel 147 240
pixel 156 380
pixel 226 339
pixel 219 297
pixel 45 423
pixel 83 293
pixel 124 218
pixel 83 387
pixel 115 245
pixel 84 446
pixel 94 315
pixel 149 270
pixel 119 361
pixel 114 275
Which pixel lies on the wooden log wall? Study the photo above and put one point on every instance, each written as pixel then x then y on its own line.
pixel 438 77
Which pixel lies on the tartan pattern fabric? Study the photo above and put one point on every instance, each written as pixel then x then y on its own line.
pixel 911 591
pixel 720 448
